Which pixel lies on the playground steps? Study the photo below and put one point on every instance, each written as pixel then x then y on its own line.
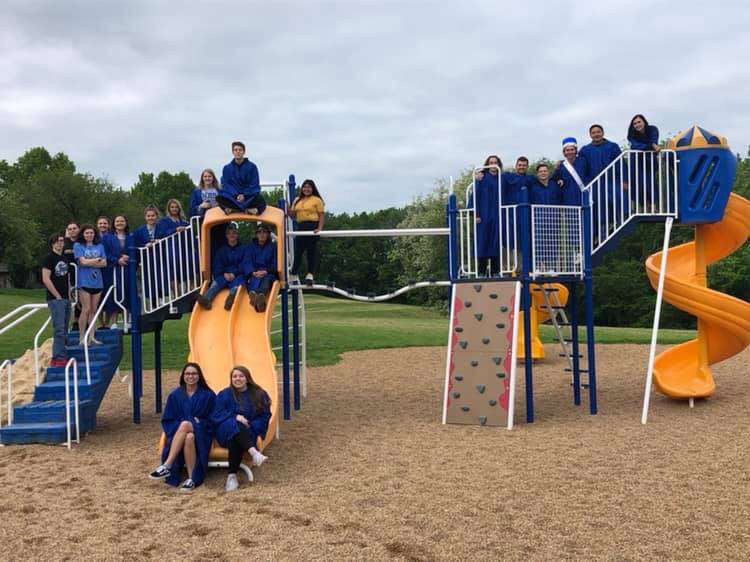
pixel 43 420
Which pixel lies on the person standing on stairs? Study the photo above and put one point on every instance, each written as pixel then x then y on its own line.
pixel 240 185
pixel 189 433
pixel 226 269
pixel 56 281
pixel 72 234
pixel 259 267
pixel 308 210
pixel 241 416
pixel 91 258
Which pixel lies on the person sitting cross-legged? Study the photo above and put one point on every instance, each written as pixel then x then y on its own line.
pixel 240 185
pixel 226 270
pixel 259 267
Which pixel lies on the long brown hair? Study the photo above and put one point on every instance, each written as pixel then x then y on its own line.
pixel 258 396
pixel 201 379
pixel 214 183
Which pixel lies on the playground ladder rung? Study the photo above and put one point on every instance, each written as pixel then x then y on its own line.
pixel 553 307
pixel 546 289
pixel 569 370
pixel 580 356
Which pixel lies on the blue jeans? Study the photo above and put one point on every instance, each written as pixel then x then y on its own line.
pixel 221 283
pixel 59 311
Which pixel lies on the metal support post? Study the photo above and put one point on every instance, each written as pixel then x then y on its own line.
pixel 573 299
pixel 588 287
pixel 285 350
pixel 135 330
pixel 157 369
pixel 524 233
pixel 295 346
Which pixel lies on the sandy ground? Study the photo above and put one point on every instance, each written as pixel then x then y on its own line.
pixel 366 471
pixel 24 379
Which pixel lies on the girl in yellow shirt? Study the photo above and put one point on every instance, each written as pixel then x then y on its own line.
pixel 308 210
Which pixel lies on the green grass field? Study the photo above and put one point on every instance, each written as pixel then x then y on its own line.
pixel 333 327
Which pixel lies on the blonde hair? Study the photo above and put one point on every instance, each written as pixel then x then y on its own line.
pixel 214 184
pixel 179 206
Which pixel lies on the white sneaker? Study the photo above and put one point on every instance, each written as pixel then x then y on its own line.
pixel 293 278
pixel 258 457
pixel 309 278
pixel 232 483
pixel 252 211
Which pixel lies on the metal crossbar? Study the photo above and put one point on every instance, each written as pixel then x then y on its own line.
pixel 556 240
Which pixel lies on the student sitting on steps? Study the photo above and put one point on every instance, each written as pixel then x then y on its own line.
pixel 226 268
pixel 259 267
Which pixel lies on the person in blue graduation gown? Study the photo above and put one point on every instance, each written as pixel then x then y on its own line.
pixel 542 190
pixel 259 267
pixel 571 184
pixel 112 249
pixel 607 194
pixel 486 201
pixel 241 417
pixel 204 195
pixel 643 165
pixel 240 184
pixel 226 270
pixel 515 183
pixel 143 237
pixel 177 261
pixel 186 422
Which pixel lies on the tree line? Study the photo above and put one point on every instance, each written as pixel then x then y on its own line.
pixel 40 193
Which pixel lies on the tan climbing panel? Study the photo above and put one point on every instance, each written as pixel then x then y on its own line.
pixel 480 353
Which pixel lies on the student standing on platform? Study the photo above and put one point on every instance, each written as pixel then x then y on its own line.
pixel 203 197
pixel 542 191
pixel 55 279
pixel 486 201
pixel 240 185
pixel 173 220
pixel 259 267
pixel 308 209
pixel 571 173
pixel 91 258
pixel 72 234
pixel 226 270
pixel 187 425
pixel 112 249
pixel 241 416
pixel 515 184
pixel 121 234
pixel 176 254
pixel 143 237
pixel 644 137
pixel 599 154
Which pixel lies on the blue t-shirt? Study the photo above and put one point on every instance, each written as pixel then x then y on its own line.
pixel 88 276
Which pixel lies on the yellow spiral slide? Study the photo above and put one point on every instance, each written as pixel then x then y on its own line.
pixel 684 371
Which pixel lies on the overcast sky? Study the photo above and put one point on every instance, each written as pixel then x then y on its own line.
pixel 374 100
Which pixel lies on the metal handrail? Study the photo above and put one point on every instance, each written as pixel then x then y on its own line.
pixel 31 308
pixel 36 348
pixel 72 361
pixel 92 326
pixel 120 302
pixel 9 365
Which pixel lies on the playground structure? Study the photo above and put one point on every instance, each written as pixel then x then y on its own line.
pixel 548 252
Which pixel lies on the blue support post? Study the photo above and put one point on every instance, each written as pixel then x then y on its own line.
pixel 524 234
pixel 285 350
pixel 573 299
pixel 295 346
pixel 452 214
pixel 135 329
pixel 157 370
pixel 588 287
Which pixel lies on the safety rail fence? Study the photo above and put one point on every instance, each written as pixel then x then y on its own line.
pixel 637 183
pixel 7 367
pixel 302 343
pixel 556 240
pixel 507 243
pixel 120 295
pixel 169 268
pixel 84 339
pixel 72 362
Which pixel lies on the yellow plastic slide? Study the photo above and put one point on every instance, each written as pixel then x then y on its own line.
pixel 683 371
pixel 539 315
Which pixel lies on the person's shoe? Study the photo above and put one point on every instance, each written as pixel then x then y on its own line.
pixel 94 341
pixel 187 486
pixel 204 302
pixel 228 210
pixel 252 211
pixel 232 483
pixel 58 362
pixel 230 300
pixel 293 278
pixel 113 326
pixel 309 279
pixel 161 472
pixel 260 302
pixel 252 295
pixel 258 457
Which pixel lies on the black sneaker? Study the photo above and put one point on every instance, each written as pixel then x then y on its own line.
pixel 260 302
pixel 252 295
pixel 204 302
pixel 187 486
pixel 230 300
pixel 160 473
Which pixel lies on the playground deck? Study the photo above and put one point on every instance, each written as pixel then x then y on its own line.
pixel 366 471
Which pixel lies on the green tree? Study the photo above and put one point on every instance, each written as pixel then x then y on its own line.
pixel 166 186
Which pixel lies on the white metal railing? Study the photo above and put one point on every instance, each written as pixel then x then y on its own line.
pixel 468 260
pixel 170 268
pixel 7 365
pixel 119 276
pixel 72 362
pixel 84 339
pixel 556 240
pixel 636 183
pixel 36 348
pixel 28 310
pixel 302 344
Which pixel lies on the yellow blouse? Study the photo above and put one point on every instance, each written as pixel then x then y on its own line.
pixel 308 208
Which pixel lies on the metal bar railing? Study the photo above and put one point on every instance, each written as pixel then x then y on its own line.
pixel 36 349
pixel 121 288
pixel 72 361
pixel 92 326
pixel 30 309
pixel 7 365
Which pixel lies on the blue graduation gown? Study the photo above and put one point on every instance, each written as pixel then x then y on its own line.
pixel 487 208
pixel 155 264
pixel 571 192
pixel 198 197
pixel 112 249
pixel 640 166
pixel 540 194
pixel 256 258
pixel 177 247
pixel 652 138
pixel 243 179
pixel 197 410
pixel 226 410
pixel 228 259
pixel 598 157
pixel 514 187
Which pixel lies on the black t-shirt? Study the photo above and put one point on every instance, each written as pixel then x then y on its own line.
pixel 58 266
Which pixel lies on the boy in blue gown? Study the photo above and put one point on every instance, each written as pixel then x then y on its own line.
pixel 542 190
pixel 570 183
pixel 515 183
pixel 259 267
pixel 486 201
pixel 240 185
pixel 186 422
pixel 226 270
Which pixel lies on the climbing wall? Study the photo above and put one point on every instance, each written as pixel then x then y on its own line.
pixel 480 353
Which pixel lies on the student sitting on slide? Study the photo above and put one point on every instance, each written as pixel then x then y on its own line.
pixel 240 185
pixel 187 425
pixel 226 268
pixel 259 267
pixel 241 415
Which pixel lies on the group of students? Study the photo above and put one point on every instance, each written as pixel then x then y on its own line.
pixel 562 187
pixel 194 416
pixel 89 257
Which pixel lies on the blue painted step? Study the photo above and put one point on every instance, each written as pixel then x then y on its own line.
pixel 40 432
pixel 55 390
pixel 53 411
